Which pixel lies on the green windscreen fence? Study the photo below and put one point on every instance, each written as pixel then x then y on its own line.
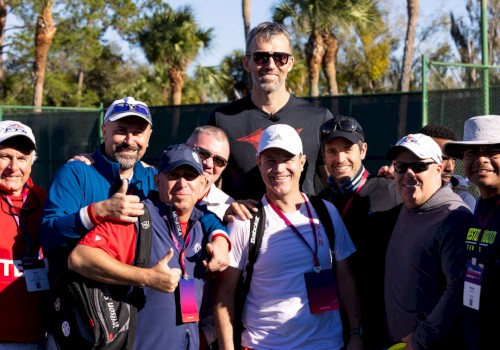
pixel 63 133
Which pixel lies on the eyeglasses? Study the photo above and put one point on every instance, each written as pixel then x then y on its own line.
pixel 416 167
pixel 331 125
pixel 472 154
pixel 124 107
pixel 262 57
pixel 205 154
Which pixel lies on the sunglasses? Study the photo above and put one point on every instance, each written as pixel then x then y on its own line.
pixel 262 57
pixel 345 125
pixel 416 167
pixel 205 154
pixel 124 107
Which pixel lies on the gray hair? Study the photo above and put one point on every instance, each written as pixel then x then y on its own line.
pixel 214 131
pixel 266 31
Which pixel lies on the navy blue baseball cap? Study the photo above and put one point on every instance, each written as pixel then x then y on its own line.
pixel 177 155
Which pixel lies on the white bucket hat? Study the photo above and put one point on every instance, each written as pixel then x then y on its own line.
pixel 480 130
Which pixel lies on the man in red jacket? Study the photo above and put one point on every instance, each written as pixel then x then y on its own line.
pixel 22 268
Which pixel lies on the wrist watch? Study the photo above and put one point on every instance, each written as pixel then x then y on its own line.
pixel 358 330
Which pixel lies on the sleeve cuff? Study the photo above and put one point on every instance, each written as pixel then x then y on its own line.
pixel 88 218
pixel 220 233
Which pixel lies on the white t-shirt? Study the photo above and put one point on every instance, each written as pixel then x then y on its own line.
pixel 217 201
pixel 276 313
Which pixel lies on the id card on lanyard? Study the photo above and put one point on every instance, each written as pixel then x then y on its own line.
pixel 320 283
pixel 34 270
pixel 187 287
pixel 474 270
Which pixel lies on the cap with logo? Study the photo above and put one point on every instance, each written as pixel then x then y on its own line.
pixel 11 128
pixel 478 131
pixel 127 107
pixel 421 145
pixel 280 136
pixel 177 155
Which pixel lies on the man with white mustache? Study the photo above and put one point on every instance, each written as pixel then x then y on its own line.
pixel 425 256
pixel 480 151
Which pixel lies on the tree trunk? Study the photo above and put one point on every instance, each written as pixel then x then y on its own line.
pixel 332 48
pixel 176 75
pixel 81 76
pixel 404 81
pixel 315 51
pixel 246 17
pixel 411 30
pixel 3 17
pixel 45 32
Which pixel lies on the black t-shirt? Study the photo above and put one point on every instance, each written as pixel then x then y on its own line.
pixel 244 123
pixel 481 326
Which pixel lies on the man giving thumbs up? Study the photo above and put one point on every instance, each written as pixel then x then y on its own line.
pixel 173 282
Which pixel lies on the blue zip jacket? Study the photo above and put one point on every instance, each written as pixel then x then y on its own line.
pixel 77 185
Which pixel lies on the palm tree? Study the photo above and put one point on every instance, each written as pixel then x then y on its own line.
pixel 173 39
pixel 246 17
pixel 45 32
pixel 404 81
pixel 319 19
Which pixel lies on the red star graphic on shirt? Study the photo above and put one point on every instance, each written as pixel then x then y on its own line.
pixel 254 138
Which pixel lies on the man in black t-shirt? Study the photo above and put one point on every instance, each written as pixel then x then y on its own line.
pixel 268 59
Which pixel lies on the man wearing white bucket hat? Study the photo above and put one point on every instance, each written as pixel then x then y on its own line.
pixel 480 151
pixel 425 256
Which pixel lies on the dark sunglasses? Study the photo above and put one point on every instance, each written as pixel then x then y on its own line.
pixel 475 153
pixel 262 57
pixel 345 125
pixel 416 167
pixel 205 154
pixel 124 107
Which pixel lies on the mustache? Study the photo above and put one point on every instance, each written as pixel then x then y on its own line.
pixel 125 147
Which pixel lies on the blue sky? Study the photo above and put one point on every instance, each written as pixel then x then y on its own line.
pixel 225 17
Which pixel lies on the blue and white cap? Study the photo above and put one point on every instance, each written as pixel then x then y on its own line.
pixel 177 155
pixel 11 128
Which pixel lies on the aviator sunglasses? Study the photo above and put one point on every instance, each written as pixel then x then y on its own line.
pixel 416 167
pixel 262 57
pixel 205 154
pixel 124 107
pixel 345 125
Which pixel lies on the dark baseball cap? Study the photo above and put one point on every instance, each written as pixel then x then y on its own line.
pixel 341 126
pixel 177 155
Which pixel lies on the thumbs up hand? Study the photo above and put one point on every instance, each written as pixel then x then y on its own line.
pixel 161 277
pixel 120 206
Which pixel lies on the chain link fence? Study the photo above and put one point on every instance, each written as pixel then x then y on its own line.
pixel 453 93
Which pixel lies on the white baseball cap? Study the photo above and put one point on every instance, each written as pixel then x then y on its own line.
pixel 420 145
pixel 12 128
pixel 128 107
pixel 280 136
pixel 480 130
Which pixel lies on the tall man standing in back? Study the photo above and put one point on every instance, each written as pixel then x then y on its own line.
pixel 268 59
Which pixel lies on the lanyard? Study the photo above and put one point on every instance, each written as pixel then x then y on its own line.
pixel 317 267
pixel 349 202
pixel 175 227
pixel 16 211
pixel 482 224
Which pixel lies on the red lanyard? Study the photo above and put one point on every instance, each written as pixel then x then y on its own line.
pixel 349 202
pixel 278 211
pixel 176 226
pixel 16 211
